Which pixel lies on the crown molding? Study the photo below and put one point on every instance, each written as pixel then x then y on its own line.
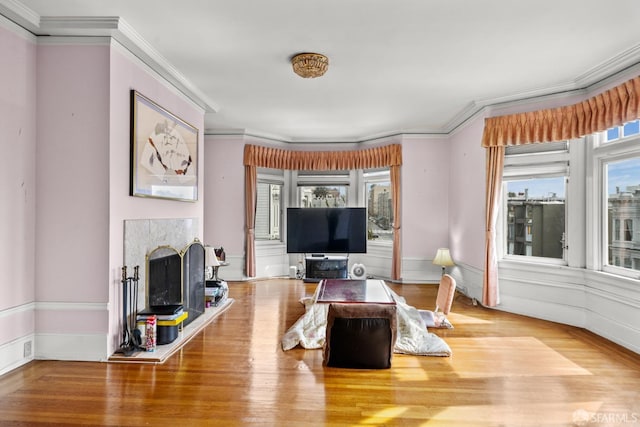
pixel 20 14
pixel 105 26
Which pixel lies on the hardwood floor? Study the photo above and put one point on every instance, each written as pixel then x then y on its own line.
pixel 506 370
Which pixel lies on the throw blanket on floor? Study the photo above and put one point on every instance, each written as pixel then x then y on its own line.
pixel 309 331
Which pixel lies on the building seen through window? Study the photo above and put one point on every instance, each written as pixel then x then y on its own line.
pixel 379 210
pixel 623 212
pixel 321 196
pixel 536 217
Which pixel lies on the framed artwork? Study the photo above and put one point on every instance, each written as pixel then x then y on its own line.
pixel 164 153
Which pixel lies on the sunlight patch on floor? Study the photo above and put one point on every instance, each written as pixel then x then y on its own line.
pixel 534 414
pixel 385 416
pixel 461 319
pixel 527 414
pixel 408 369
pixel 486 358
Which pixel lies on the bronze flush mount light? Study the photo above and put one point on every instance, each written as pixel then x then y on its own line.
pixel 309 65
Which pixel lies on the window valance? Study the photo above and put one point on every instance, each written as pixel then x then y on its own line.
pixel 276 158
pixel 596 114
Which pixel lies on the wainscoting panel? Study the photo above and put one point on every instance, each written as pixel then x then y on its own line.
pixel 272 260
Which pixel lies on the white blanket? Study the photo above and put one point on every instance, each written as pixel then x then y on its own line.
pixel 412 338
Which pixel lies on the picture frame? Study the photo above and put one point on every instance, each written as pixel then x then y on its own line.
pixel 164 153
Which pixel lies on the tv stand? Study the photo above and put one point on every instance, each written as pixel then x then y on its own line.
pixel 328 267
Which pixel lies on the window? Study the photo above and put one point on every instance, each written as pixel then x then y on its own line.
pixel 536 216
pixel 323 189
pixel 379 203
pixel 624 131
pixel 323 196
pixel 622 181
pixel 269 211
pixel 534 210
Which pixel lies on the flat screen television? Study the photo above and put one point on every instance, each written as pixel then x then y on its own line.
pixel 326 230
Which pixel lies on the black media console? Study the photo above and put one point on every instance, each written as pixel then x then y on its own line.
pixel 326 267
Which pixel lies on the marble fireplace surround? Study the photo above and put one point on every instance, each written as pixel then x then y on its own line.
pixel 141 236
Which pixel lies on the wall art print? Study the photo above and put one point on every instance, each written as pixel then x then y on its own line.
pixel 164 153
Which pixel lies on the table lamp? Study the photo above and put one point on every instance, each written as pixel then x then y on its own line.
pixel 210 262
pixel 443 259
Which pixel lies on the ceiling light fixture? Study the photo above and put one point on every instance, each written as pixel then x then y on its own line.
pixel 309 65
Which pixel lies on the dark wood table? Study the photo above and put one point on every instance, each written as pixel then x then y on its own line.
pixel 369 291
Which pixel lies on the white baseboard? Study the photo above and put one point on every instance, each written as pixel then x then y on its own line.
pixel 16 353
pixel 85 347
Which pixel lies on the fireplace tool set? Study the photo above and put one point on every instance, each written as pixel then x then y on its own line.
pixel 131 337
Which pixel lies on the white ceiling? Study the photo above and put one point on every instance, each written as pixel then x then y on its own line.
pixel 395 66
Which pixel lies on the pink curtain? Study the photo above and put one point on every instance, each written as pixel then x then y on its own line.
pixel 610 108
pixel 276 158
pixel 396 262
pixel 251 192
pixel 495 166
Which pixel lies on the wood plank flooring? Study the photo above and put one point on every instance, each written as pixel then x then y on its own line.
pixel 506 370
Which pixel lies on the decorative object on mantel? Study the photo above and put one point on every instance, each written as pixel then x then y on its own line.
pixel 164 153
pixel 443 259
pixel 310 65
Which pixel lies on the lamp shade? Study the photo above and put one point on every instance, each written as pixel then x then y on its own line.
pixel 443 258
pixel 210 259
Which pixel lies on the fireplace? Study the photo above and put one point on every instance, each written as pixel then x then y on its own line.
pixel 177 278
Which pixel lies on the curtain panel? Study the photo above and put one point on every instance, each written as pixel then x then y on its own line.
pixel 268 157
pixel 596 114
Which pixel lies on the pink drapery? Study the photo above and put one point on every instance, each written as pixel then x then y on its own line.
pixel 495 166
pixel 268 157
pixel 250 202
pixel 596 114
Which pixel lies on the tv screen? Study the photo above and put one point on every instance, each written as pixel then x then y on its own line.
pixel 326 230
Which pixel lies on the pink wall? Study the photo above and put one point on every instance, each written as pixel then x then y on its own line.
pixel 467 194
pixel 224 194
pixel 73 185
pixel 17 182
pixel 425 196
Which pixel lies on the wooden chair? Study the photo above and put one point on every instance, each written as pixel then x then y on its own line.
pixel 444 300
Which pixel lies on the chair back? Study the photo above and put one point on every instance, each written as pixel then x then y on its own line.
pixel 446 292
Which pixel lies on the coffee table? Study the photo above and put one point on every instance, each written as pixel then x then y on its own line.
pixel 370 291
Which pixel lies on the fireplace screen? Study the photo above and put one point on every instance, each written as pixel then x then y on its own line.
pixel 177 278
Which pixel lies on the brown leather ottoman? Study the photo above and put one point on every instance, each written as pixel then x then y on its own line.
pixel 360 335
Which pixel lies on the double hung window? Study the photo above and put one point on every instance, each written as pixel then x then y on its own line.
pixel 323 189
pixel 535 200
pixel 617 159
pixel 269 208
pixel 378 200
